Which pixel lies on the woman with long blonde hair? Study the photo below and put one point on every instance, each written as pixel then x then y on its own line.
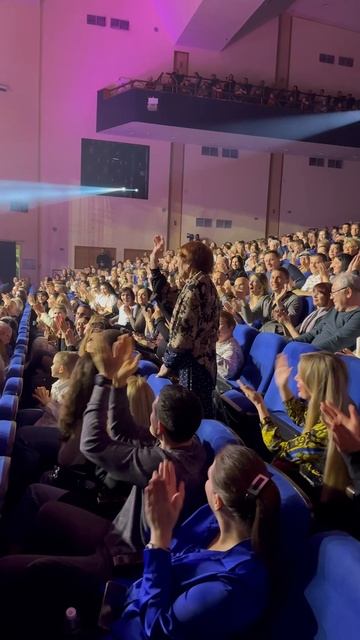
pixel 321 377
pixel 141 398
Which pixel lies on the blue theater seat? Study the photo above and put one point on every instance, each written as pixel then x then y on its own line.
pixel 245 336
pixel 18 358
pixel 13 386
pixel 146 368
pixel 21 341
pixel 7 436
pixel 157 383
pixel 309 306
pixel 15 370
pixel 8 407
pixel 324 601
pixel 295 518
pixel 4 477
pixel 20 349
pixel 216 435
pixel 258 368
pixel 353 367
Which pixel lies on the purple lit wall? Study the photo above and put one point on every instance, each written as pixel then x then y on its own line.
pixel 19 119
pixel 77 59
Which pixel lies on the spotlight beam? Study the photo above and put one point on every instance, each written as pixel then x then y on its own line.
pixel 33 193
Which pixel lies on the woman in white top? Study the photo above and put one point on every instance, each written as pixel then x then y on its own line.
pixel 126 308
pixel 106 300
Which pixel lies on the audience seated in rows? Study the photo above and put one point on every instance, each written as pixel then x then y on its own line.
pixel 97 435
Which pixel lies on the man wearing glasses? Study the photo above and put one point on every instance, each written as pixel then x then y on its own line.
pixel 340 327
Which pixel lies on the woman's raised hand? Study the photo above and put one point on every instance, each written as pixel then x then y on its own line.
pixel 282 371
pixel 254 396
pixel 159 244
pixel 125 359
pixel 163 503
pixel 345 429
pixel 117 363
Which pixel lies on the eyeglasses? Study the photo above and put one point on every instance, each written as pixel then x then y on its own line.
pixel 337 291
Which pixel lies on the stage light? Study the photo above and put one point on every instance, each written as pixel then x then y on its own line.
pixel 298 126
pixel 34 193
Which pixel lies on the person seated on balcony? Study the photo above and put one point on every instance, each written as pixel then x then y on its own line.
pixel 229 87
pixel 150 83
pixel 350 102
pixel 272 100
pixel 321 102
pixel 294 97
pixel 246 86
pixel 177 79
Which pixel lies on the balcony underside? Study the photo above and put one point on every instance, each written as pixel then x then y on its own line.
pixel 205 121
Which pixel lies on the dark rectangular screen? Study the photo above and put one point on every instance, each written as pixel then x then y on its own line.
pixel 116 164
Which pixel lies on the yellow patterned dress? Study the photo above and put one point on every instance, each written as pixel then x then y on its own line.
pixel 306 450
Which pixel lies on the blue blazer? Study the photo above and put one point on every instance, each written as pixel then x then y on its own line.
pixel 194 592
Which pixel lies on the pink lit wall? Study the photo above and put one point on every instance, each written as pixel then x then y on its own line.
pixel 318 196
pixel 19 119
pixel 224 188
pixel 52 106
pixel 94 57
pixel 254 56
pixel 174 16
pixel 309 39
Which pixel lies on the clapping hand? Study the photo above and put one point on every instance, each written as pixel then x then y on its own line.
pixel 163 503
pixel 282 370
pixel 251 394
pixel 117 363
pixel 323 272
pixel 60 324
pixel 283 316
pixel 345 429
pixel 354 264
pixel 42 395
pixel 70 338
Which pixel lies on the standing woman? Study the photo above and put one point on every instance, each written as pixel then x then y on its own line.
pixel 191 350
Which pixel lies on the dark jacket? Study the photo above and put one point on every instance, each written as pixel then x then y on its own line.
pixel 131 455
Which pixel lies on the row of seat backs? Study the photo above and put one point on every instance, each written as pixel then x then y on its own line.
pixel 261 350
pixel 10 399
pixel 320 595
pixel 296 509
pixel 323 599
pixel 293 352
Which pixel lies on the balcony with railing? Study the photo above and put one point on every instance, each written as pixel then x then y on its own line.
pixel 173 105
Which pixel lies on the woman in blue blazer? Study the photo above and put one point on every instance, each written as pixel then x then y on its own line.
pixel 210 579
